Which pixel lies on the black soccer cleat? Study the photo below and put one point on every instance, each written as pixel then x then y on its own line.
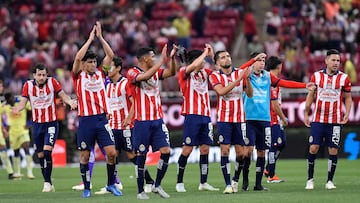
pixel 260 188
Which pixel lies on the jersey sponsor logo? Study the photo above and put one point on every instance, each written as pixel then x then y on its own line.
pixel 328 95
pixel 233 95
pixel 150 87
pixel 200 84
pixel 115 104
pixel 93 85
pixel 43 102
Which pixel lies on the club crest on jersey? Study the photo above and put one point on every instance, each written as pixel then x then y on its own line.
pixel 279 140
pixel 83 145
pixel 311 139
pixel 221 138
pixel 187 140
pixel 41 94
pixel 142 148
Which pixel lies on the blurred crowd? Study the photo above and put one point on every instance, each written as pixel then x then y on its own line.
pixel 51 32
pixel 302 30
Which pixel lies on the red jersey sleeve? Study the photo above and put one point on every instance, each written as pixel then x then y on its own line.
pixel 56 84
pixel 213 79
pixel 312 79
pixel 161 72
pixel 274 93
pixel 182 78
pixel 247 64
pixel 347 85
pixel 132 74
pixel 25 90
pixel 275 81
pixel 128 90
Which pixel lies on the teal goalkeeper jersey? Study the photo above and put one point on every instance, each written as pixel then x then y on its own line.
pixel 258 107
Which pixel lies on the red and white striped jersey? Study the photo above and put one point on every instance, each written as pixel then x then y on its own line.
pixel 146 95
pixel 42 99
pixel 230 107
pixel 329 94
pixel 195 90
pixel 275 94
pixel 90 91
pixel 119 103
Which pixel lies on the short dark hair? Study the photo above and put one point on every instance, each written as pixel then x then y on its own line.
pixel 332 51
pixel 118 61
pixel 253 54
pixel 40 66
pixel 192 55
pixel 8 95
pixel 273 62
pixel 216 56
pixel 89 55
pixel 143 52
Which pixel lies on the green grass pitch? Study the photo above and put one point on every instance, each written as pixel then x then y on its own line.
pixel 294 172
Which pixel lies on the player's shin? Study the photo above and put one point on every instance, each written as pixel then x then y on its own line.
pixel 311 165
pixel 225 168
pixel 85 175
pixel 204 168
pixel 140 165
pixel 162 168
pixel 332 162
pixel 181 168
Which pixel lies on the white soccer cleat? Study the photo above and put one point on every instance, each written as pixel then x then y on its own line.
pixel 30 175
pixel 180 187
pixel 17 176
pixel 80 187
pixel 148 188
pixel 235 186
pixel 309 184
pixel 228 190
pixel 119 186
pixel 330 185
pixel 160 191
pixel 102 191
pixel 208 187
pixel 142 196
pixel 48 187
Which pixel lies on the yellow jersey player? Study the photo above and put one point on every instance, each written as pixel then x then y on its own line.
pixel 3 150
pixel 18 135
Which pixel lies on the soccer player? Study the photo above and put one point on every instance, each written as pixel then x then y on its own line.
pixel 278 122
pixel 332 87
pixel 3 132
pixel 93 110
pixel 149 127
pixel 257 109
pixel 18 135
pixel 41 92
pixel 121 104
pixel 229 85
pixel 198 129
